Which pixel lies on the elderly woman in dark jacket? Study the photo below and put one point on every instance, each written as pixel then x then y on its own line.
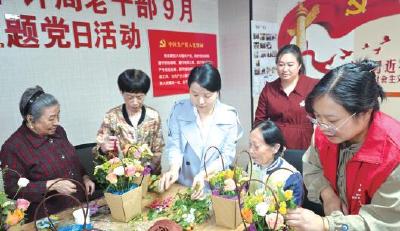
pixel 40 151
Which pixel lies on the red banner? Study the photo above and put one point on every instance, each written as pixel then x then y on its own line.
pixel 174 54
pixel 338 17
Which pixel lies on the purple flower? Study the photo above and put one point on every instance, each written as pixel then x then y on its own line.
pixel 252 227
pixel 215 192
pixel 146 171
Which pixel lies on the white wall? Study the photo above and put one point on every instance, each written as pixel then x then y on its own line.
pixel 234 43
pixel 84 80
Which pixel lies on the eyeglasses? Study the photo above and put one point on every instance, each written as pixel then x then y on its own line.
pixel 329 129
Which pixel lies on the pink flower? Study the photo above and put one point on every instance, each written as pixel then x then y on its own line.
pixel 137 154
pixel 112 178
pixel 23 204
pixel 114 160
pixel 270 219
pixel 130 171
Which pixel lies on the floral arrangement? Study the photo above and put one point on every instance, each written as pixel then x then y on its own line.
pixel 224 182
pixel 13 212
pixel 187 212
pixel 120 175
pixel 264 209
pixel 140 152
pixel 181 209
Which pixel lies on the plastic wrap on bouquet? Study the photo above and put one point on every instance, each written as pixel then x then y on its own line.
pixel 85 210
pixel 124 207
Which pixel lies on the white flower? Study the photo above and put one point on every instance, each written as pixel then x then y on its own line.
pixel 119 171
pixel 190 218
pixel 192 210
pixel 229 185
pixel 262 208
pixel 7 203
pixel 22 182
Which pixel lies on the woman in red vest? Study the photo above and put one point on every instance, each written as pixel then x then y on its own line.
pixel 352 164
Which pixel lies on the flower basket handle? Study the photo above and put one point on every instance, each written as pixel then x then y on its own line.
pixel 267 188
pixel 45 198
pixel 205 155
pixel 251 167
pixel 290 170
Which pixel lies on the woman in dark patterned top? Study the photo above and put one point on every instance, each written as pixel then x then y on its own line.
pixel 40 151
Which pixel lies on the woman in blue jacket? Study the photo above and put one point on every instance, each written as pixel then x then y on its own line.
pixel 193 126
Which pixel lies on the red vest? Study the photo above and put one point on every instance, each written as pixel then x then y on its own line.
pixel 378 156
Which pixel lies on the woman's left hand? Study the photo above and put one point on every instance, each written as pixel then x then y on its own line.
pixel 304 219
pixel 89 184
pixel 198 186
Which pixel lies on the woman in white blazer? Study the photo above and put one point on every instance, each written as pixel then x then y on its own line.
pixel 193 126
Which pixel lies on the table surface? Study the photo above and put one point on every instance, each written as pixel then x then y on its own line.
pixel 107 223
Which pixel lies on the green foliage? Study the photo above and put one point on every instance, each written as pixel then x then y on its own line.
pixel 187 212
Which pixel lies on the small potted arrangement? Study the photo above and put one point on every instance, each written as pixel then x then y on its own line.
pixel 142 153
pixel 265 209
pixel 13 211
pixel 123 178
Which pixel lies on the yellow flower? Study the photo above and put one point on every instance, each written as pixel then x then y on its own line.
pixel 279 184
pixel 229 174
pixel 282 208
pixel 288 194
pixel 272 207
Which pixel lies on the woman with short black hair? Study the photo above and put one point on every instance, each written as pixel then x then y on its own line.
pixel 353 161
pixel 131 123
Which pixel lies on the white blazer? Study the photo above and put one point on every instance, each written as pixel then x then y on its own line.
pixel 184 144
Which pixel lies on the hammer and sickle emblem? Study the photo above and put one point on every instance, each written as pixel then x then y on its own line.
pixel 358 7
pixel 163 43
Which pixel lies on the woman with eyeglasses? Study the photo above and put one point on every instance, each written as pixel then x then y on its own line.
pixel 352 165
pixel 283 100
pixel 133 122
pixel 40 151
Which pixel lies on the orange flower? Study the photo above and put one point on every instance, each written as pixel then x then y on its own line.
pixel 247 215
pixel 15 217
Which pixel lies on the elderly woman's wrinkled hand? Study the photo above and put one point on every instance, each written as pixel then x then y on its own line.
pixel 61 186
pixel 89 184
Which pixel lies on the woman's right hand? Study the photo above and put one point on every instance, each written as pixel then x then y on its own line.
pixel 110 144
pixel 331 201
pixel 168 178
pixel 63 186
